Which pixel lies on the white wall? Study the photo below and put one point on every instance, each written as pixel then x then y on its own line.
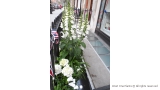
pixel 95 13
pixel 78 3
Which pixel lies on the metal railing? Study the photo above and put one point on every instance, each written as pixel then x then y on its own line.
pixel 54 46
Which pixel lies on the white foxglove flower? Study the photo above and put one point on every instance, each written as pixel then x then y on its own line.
pixel 66 17
pixel 81 86
pixel 66 28
pixel 73 81
pixel 82 26
pixel 86 37
pixel 70 79
pixel 72 84
pixel 78 32
pixel 57 69
pixel 72 18
pixel 73 26
pixel 72 31
pixel 61 25
pixel 79 36
pixel 75 87
pixel 70 38
pixel 82 48
pixel 72 22
pixel 64 62
pixel 67 71
pixel 87 32
pixel 74 37
pixel 88 27
pixel 66 22
pixel 81 29
pixel 78 69
pixel 84 33
pixel 64 35
pixel 53 78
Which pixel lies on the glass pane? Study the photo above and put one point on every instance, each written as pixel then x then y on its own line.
pixel 92 38
pixel 106 59
pixel 96 43
pixel 100 13
pixel 101 50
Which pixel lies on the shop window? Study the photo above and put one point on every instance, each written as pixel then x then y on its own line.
pixel 103 22
pixel 105 25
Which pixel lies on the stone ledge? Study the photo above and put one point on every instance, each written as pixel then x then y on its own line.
pixel 98 72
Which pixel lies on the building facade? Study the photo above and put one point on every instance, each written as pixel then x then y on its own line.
pixel 100 19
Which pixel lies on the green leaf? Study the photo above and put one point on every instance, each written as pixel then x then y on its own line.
pixel 83 44
pixel 62 45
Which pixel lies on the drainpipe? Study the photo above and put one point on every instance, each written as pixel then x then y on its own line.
pixel 80 6
pixel 74 4
pixel 76 7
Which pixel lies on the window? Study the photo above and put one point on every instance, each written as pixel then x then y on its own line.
pixel 103 22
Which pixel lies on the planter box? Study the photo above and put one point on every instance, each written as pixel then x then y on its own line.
pixel 103 88
pixel 85 83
